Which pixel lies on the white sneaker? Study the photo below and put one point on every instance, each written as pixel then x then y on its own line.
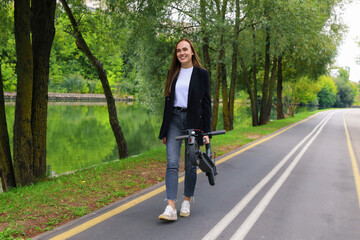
pixel 185 209
pixel 169 214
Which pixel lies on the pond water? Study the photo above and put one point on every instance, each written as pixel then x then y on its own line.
pixel 79 134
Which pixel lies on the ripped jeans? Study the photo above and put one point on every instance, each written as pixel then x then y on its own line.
pixel 177 127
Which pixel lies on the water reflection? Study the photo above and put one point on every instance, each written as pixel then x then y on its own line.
pixel 79 135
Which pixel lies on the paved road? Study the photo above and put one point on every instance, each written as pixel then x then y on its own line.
pixel 299 183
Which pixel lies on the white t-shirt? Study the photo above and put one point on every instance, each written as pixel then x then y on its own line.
pixel 182 87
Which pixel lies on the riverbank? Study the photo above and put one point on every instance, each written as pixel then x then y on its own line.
pixel 28 211
pixel 71 97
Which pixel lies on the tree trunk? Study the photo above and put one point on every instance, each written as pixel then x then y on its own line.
pixel 271 90
pixel 215 110
pixel 279 104
pixel 233 85
pixel 265 90
pixel 23 145
pixel 205 46
pixel 251 92
pixel 255 103
pixel 219 69
pixel 234 66
pixel 114 122
pixel 6 168
pixel 206 56
pixel 226 113
pixel 43 32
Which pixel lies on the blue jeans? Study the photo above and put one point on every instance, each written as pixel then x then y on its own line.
pixel 177 127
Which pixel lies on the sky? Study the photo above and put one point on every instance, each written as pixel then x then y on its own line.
pixel 349 49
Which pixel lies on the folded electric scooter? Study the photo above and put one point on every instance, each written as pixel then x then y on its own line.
pixel 198 158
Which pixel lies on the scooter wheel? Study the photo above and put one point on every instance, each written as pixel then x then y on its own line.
pixel 191 151
pixel 211 178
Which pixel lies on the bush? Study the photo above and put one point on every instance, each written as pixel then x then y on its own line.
pixel 72 83
pixel 345 96
pixel 326 98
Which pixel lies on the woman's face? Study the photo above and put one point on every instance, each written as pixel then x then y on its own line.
pixel 184 54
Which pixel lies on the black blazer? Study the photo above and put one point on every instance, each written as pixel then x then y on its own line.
pixel 198 107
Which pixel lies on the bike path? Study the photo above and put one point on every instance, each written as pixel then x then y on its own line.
pixel 319 199
pixel 240 172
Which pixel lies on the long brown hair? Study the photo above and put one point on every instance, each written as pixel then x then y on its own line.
pixel 176 65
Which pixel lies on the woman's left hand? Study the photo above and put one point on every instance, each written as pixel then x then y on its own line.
pixel 207 140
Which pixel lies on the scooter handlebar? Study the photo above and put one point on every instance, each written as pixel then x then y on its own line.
pixel 219 132
pixel 182 137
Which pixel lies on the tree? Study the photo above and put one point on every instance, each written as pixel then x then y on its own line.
pixel 235 53
pixel 279 90
pixel 326 98
pixel 327 94
pixel 31 100
pixel 23 142
pixel 266 90
pixel 345 96
pixel 43 32
pixel 220 78
pixel 6 168
pixel 304 43
pixel 249 65
pixel 346 89
pixel 205 38
pixel 114 122
pixel 69 63
pixel 302 91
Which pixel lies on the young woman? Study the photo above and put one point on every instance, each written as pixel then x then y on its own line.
pixel 187 106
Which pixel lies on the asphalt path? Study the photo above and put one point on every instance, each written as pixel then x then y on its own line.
pixel 301 182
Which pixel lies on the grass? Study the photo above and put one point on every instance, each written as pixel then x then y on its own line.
pixel 28 211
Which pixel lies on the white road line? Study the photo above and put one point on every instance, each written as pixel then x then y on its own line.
pixel 259 209
pixel 229 217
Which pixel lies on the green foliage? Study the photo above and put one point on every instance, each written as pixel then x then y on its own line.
pixel 327 95
pixel 7 46
pixel 343 75
pixel 328 82
pixel 134 41
pixel 150 38
pixel 9 76
pixel 152 70
pixel 345 96
pixel 346 90
pixel 302 91
pixel 357 98
pixel 327 98
pixel 66 59
pixel 69 63
pixel 73 83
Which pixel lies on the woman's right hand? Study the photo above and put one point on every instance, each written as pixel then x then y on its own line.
pixel 163 140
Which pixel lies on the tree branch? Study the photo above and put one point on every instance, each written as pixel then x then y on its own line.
pixel 187 13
